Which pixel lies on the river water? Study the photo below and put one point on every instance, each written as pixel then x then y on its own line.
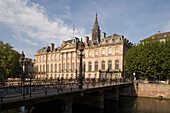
pixel 124 105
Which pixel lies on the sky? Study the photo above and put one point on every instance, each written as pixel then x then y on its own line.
pixel 29 25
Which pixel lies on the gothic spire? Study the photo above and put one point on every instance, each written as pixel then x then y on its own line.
pixel 96 21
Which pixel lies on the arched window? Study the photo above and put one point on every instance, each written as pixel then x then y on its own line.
pixel 89 53
pixel 55 56
pixel 103 65
pixel 73 66
pixel 90 66
pixel 96 65
pixel 64 67
pixel 55 67
pixel 110 64
pixel 43 68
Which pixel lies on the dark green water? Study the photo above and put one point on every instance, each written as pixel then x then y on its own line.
pixel 124 105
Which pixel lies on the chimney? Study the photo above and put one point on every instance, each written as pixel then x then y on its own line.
pixel 159 32
pixel 103 35
pixel 86 39
pixel 52 47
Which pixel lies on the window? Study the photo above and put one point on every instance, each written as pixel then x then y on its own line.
pixel 89 76
pixel 67 76
pixel 73 55
pixel 110 64
pixel 116 75
pixel 89 53
pixel 103 76
pixel 109 76
pixel 96 66
pixel 103 51
pixel 51 67
pixel 56 57
pixel 43 58
pixel 47 68
pixel 110 51
pixel 48 57
pixel 110 41
pixel 37 59
pixel 71 76
pixel 51 57
pixel 73 66
pixel 95 76
pixel 103 42
pixel 103 65
pixel 68 66
pixel 96 52
pixel 60 56
pixel 43 68
pixel 117 50
pixel 116 64
pixel 40 68
pixel 51 76
pixel 55 67
pixel 64 67
pixel 117 40
pixel 59 67
pixel 90 66
pixel 55 76
pixel 40 58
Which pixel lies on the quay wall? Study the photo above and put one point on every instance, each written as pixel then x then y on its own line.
pixel 147 90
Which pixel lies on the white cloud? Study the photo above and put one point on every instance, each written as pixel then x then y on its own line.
pixel 31 19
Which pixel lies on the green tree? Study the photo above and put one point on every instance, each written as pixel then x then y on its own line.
pixel 9 61
pixel 149 58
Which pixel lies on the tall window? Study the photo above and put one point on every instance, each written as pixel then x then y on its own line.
pixel 117 50
pixel 96 65
pixel 110 41
pixel 110 51
pixel 51 67
pixel 73 55
pixel 37 59
pixel 89 53
pixel 96 52
pixel 40 58
pixel 90 66
pixel 40 68
pixel 103 51
pixel 43 68
pixel 89 76
pixel 60 56
pixel 51 57
pixel 55 56
pixel 64 67
pixel 43 58
pixel 55 67
pixel 103 65
pixel 59 67
pixel 47 68
pixel 73 66
pixel 78 66
pixel 68 66
pixel 110 64
pixel 116 64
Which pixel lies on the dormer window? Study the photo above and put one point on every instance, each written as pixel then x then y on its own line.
pixel 117 40
pixel 110 41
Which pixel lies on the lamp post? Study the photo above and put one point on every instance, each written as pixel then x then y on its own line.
pixel 81 49
pixel 22 76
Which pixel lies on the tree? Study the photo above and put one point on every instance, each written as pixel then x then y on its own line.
pixel 149 58
pixel 9 61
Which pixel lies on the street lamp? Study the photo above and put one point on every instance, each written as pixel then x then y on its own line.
pixel 22 76
pixel 81 49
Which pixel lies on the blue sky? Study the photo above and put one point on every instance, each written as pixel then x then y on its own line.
pixel 29 25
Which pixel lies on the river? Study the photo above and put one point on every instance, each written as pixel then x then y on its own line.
pixel 124 105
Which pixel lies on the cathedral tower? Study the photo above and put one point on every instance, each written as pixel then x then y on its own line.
pixel 96 31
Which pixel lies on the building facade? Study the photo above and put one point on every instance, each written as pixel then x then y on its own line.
pixel 103 58
pixel 159 35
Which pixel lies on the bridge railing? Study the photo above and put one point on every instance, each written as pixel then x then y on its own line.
pixel 31 87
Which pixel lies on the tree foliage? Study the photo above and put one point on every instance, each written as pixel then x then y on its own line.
pixel 9 61
pixel 149 58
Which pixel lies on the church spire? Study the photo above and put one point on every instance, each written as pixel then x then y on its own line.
pixel 96 21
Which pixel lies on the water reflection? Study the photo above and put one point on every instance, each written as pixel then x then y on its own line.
pixel 124 105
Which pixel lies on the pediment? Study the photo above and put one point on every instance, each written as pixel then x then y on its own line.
pixel 67 46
